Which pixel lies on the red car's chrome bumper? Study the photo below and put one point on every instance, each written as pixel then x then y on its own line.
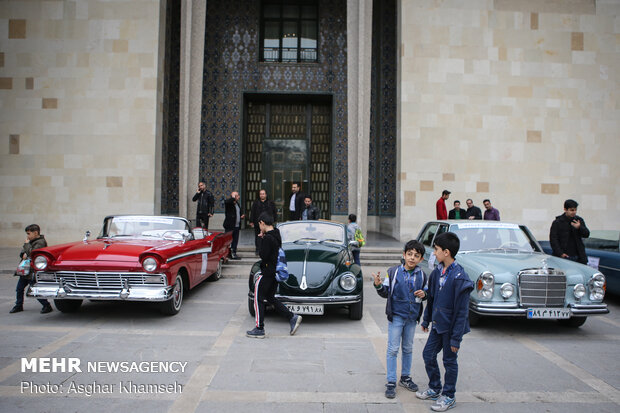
pixel 127 293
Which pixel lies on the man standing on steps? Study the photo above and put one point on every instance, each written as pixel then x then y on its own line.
pixel 232 221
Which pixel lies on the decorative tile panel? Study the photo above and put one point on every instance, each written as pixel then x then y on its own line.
pixel 231 68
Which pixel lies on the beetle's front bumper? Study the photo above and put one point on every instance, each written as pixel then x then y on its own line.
pixel 490 309
pixel 329 300
pixel 127 293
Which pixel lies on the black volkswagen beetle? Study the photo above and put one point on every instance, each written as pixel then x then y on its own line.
pixel 321 268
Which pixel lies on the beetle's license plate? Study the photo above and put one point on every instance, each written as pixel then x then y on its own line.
pixel 316 309
pixel 548 313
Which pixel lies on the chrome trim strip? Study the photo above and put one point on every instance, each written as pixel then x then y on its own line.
pixel 344 299
pixel 187 254
pixel 135 293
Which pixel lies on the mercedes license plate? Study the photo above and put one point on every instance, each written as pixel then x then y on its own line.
pixel 548 313
pixel 316 309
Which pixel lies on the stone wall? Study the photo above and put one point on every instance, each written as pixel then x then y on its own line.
pixel 516 101
pixel 78 119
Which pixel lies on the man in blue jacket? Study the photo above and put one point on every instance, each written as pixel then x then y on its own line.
pixel 447 307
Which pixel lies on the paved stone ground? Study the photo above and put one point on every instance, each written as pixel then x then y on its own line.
pixel 332 364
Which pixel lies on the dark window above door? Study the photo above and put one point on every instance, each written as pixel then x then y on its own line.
pixel 289 31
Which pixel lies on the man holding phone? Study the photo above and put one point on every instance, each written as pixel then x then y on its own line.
pixel 204 209
pixel 567 231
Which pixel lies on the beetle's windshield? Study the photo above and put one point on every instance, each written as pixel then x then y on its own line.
pixel 493 237
pixel 311 231
pixel 145 226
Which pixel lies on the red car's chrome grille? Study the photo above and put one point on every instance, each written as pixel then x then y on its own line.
pixel 101 280
pixel 542 288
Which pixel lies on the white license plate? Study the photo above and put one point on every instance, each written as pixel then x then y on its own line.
pixel 548 313
pixel 316 309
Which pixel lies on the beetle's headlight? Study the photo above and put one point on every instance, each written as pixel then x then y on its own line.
pixel 507 290
pixel 579 291
pixel 41 262
pixel 149 264
pixel 348 281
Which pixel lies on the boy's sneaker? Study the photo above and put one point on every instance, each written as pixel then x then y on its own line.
pixel 408 384
pixel 256 333
pixel 427 394
pixel 295 322
pixel 443 403
pixel 390 390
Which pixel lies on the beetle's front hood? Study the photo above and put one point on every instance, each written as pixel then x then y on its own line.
pixel 511 263
pixel 311 266
pixel 127 250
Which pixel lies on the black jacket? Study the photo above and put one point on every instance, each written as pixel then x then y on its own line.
pixel 230 214
pixel 565 239
pixel 268 252
pixel 258 207
pixel 313 212
pixel 452 214
pixel 473 212
pixel 299 206
pixel 206 202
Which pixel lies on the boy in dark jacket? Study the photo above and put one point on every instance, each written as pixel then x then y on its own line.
pixel 404 290
pixel 34 240
pixel 266 284
pixel 447 307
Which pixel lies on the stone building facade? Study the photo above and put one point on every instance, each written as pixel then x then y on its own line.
pixel 122 107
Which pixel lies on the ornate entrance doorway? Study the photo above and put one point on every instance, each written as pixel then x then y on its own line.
pixel 288 142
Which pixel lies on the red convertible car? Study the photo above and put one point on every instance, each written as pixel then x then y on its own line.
pixel 134 258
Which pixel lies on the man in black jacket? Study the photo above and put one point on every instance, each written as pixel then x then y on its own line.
pixel 566 233
pixel 266 284
pixel 233 215
pixel 295 202
pixel 260 205
pixel 310 211
pixel 473 212
pixel 204 209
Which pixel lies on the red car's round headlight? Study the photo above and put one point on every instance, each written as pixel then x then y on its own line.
pixel 150 264
pixel 41 262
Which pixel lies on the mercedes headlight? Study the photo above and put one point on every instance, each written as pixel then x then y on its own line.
pixel 149 264
pixel 598 280
pixel 507 290
pixel 579 291
pixel 485 285
pixel 41 262
pixel 348 281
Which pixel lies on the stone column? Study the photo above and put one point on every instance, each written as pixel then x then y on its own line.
pixel 193 22
pixel 359 51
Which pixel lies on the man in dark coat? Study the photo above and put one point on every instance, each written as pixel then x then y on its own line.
pixel 567 232
pixel 204 209
pixel 233 215
pixel 473 212
pixel 260 205
pixel 457 212
pixel 295 202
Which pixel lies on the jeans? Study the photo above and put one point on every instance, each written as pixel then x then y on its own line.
pixel 235 238
pixel 356 256
pixel 22 283
pixel 436 343
pixel 400 331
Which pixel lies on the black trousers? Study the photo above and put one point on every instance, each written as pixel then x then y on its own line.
pixel 265 289
pixel 202 220
pixel 235 236
pixel 257 240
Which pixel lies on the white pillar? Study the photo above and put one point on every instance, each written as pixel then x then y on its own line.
pixel 359 52
pixel 193 22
